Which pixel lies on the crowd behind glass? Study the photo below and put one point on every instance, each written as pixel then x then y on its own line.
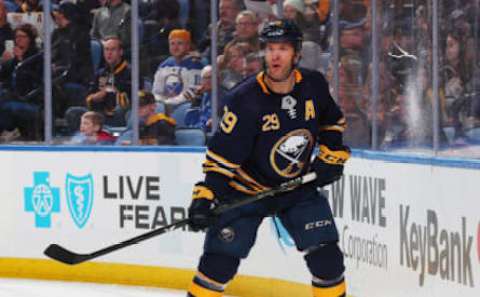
pixel 396 95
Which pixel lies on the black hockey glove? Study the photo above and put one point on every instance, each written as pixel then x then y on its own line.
pixel 328 165
pixel 200 211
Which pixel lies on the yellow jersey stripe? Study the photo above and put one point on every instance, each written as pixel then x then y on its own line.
pixel 242 188
pixel 221 160
pixel 159 117
pixel 244 176
pixel 262 83
pixel 120 67
pixel 202 192
pixel 207 279
pixel 218 170
pixel 298 76
pixel 334 128
pixel 336 291
pixel 199 291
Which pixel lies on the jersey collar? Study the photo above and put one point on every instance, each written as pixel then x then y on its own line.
pixel 261 75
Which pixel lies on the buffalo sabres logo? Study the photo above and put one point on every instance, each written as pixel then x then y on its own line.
pixel 289 154
pixel 173 85
pixel 227 234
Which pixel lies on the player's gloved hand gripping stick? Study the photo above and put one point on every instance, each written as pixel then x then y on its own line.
pixel 201 210
pixel 63 255
pixel 328 164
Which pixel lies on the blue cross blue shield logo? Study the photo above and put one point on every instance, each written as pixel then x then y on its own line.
pixel 42 199
pixel 79 190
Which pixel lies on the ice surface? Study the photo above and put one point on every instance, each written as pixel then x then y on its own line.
pixel 40 288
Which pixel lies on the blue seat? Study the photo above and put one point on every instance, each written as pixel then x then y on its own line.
pixel 192 117
pixel 190 137
pixel 474 135
pixel 449 132
pixel 160 107
pixel 179 114
pixel 73 116
pixel 96 51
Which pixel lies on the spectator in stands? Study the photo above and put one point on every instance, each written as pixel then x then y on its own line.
pixel 312 57
pixel 473 120
pixel 113 19
pixel 86 10
pixel 199 19
pixel 154 128
pixel 262 8
pixel 27 6
pixel 317 28
pixel 323 8
pixel 409 120
pixel 306 17
pixel 246 29
pixel 456 74
pixel 233 63
pixel 254 62
pixel 352 75
pixel 387 82
pixel 158 25
pixel 202 102
pixel 110 90
pixel 22 78
pixel 178 73
pixel 228 11
pixel 293 10
pixel 70 53
pixel 6 32
pixel 91 131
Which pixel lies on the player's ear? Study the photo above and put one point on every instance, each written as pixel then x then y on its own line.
pixel 296 58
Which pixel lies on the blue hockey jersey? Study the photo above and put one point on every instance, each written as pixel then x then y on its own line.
pixel 173 77
pixel 267 138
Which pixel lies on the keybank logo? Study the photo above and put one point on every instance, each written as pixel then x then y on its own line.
pixel 79 192
pixel 42 199
pixel 431 249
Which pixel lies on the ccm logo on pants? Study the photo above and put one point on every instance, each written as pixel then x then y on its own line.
pixel 317 224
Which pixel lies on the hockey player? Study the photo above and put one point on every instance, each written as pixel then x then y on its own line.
pixel 267 136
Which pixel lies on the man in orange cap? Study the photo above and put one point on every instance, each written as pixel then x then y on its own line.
pixel 179 73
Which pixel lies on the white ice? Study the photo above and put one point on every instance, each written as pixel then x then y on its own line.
pixel 40 288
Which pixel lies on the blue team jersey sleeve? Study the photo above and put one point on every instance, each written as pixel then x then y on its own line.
pixel 332 124
pixel 235 136
pixel 233 141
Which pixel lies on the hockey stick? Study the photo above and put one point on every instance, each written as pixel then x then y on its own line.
pixel 61 254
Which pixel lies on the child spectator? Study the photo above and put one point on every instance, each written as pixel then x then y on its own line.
pixel 91 131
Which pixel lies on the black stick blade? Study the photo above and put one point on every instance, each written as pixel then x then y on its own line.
pixel 63 255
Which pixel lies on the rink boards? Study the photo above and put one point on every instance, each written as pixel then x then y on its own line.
pixel 408 226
